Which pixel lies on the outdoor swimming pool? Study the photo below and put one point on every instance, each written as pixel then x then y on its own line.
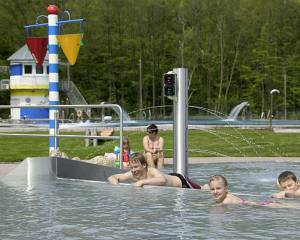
pixel 72 209
pixel 36 124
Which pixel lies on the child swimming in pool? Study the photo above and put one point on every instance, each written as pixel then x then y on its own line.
pixel 219 189
pixel 288 184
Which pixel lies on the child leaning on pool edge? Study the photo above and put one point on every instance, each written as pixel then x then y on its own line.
pixel 288 184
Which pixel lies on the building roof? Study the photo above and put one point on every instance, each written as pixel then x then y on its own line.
pixel 24 55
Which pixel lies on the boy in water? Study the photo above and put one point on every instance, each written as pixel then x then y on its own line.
pixel 219 190
pixel 142 175
pixel 289 186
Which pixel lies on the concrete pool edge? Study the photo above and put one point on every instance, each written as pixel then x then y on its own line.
pixel 50 168
pixel 7 167
pixel 199 160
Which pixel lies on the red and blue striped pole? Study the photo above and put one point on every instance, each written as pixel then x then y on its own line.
pixel 53 75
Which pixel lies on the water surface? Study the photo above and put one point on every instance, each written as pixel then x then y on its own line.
pixel 69 209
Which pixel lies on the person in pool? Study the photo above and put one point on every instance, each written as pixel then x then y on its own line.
pixel 142 174
pixel 289 185
pixel 219 189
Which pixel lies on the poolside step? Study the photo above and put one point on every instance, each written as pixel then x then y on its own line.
pixel 286 130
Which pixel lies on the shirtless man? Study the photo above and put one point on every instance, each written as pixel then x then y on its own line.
pixel 142 175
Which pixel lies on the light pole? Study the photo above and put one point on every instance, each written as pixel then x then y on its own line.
pixel 271 105
pixel 140 88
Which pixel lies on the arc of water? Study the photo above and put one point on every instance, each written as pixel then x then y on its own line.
pixel 225 140
pixel 208 152
pixel 221 116
pixel 213 112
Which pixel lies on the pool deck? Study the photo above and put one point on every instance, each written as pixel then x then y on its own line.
pixel 7 167
pixel 199 160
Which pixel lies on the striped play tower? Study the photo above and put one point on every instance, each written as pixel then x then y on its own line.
pixel 70 44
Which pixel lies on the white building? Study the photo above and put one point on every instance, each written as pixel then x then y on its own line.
pixel 29 85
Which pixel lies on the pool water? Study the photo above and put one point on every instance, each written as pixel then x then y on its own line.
pixel 73 209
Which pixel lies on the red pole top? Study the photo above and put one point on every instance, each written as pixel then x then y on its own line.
pixel 52 9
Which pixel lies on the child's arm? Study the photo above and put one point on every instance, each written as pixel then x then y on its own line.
pixel 292 194
pixel 279 195
pixel 156 179
pixel 115 179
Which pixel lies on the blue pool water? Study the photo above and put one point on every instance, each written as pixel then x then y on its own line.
pixel 220 122
pixel 72 209
pixel 138 123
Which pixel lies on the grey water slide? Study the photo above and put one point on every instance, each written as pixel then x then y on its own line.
pixel 51 168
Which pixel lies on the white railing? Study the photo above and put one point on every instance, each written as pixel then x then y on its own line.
pixel 4 84
pixel 56 134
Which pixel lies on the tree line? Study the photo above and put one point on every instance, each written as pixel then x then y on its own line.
pixel 235 50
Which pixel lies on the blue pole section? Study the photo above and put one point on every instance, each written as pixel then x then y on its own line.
pixel 53 75
pixel 59 23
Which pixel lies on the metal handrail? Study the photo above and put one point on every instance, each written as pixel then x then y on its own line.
pixel 102 105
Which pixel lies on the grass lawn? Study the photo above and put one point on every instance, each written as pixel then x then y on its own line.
pixel 201 143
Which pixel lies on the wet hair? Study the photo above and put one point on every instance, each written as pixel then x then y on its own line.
pixel 152 128
pixel 138 158
pixel 218 178
pixel 285 176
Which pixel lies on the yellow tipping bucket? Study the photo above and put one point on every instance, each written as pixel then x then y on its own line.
pixel 70 44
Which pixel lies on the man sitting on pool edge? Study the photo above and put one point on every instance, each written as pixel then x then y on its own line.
pixel 142 175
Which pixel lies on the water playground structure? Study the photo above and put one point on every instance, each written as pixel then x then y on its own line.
pixel 29 86
pixel 32 77
pixel 28 77
pixel 30 82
